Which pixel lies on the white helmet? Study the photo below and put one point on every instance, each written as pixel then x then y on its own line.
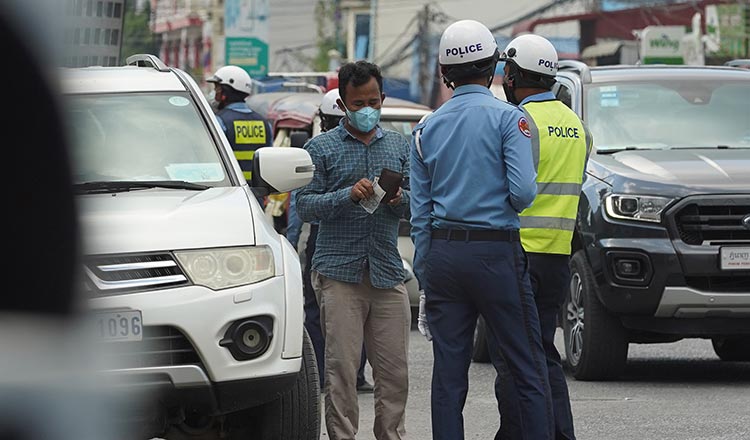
pixel 235 77
pixel 328 105
pixel 466 41
pixel 532 53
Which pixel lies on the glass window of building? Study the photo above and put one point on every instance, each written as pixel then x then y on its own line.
pixel 118 10
pixel 87 36
pixel 97 36
pixel 99 8
pixel 77 36
pixel 115 37
pixel 107 33
pixel 110 8
pixel 89 8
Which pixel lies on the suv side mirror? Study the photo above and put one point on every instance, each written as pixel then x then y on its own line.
pixel 278 170
pixel 298 139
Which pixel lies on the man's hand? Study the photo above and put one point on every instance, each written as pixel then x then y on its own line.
pixel 396 200
pixel 362 190
pixel 422 318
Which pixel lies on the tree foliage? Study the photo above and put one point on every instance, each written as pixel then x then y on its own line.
pixel 136 32
pixel 326 22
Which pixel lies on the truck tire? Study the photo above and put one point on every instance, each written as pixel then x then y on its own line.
pixel 597 348
pixel 480 351
pixel 732 348
pixel 293 416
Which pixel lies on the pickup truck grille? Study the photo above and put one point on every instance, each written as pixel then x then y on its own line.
pixel 712 221
pixel 161 346
pixel 119 274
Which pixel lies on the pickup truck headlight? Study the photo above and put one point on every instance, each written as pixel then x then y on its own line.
pixel 635 207
pixel 223 268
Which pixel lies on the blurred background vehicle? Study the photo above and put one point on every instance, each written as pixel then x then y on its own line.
pixel 745 64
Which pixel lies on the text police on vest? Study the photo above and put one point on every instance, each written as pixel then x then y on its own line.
pixel 471 48
pixel 563 132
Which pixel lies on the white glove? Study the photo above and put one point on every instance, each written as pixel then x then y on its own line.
pixel 422 318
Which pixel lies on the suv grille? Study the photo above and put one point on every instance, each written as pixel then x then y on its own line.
pixel 704 220
pixel 118 274
pixel 162 346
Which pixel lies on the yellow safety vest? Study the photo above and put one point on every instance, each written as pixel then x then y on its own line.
pixel 560 146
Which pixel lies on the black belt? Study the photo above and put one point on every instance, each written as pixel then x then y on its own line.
pixel 477 234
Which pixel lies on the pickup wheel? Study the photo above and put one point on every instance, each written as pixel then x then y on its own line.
pixel 732 348
pixel 293 416
pixel 596 345
pixel 480 351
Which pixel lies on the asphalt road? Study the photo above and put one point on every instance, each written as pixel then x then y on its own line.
pixel 677 391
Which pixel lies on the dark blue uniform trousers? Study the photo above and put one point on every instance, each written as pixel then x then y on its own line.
pixel 550 275
pixel 463 279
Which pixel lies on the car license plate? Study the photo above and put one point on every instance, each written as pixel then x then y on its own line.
pixel 120 325
pixel 735 258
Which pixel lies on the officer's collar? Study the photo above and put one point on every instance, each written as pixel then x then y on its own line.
pixel 471 88
pixel 544 96
pixel 238 105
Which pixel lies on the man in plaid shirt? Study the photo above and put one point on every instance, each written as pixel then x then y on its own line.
pixel 357 270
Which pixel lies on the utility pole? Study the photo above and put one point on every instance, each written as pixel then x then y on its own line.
pixel 423 41
pixel 373 29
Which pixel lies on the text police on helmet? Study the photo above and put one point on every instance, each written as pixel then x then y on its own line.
pixel 467 50
pixel 466 41
pixel 234 77
pixel 532 53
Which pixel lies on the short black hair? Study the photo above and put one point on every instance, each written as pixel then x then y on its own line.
pixel 358 73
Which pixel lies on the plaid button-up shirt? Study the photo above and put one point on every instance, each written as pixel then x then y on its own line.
pixel 350 239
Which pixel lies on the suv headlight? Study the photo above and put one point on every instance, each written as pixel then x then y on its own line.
pixel 222 268
pixel 635 207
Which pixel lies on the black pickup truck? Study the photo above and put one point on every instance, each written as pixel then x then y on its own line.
pixel 661 250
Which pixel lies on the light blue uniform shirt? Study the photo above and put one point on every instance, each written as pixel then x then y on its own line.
pixel 475 170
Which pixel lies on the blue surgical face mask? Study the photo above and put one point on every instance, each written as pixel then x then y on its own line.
pixel 364 119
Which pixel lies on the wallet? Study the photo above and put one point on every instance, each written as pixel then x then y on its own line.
pixel 390 181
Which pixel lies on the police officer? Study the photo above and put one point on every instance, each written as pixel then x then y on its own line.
pixel 560 145
pixel 472 172
pixel 245 129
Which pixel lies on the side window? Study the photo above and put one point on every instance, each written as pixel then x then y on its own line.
pixel 564 95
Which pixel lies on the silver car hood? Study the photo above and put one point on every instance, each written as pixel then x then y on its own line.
pixel 165 219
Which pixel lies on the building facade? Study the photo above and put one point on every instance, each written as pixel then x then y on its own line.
pixel 92 32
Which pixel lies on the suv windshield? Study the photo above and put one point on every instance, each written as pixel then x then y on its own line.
pixel 142 137
pixel 695 113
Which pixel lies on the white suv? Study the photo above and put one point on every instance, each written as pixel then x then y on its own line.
pixel 195 296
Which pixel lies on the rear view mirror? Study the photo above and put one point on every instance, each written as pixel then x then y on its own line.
pixel 278 170
pixel 298 139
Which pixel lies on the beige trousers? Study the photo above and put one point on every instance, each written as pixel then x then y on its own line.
pixel 349 314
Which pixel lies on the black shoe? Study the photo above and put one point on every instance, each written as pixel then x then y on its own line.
pixel 365 387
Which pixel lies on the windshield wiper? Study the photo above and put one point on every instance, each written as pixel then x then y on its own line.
pixel 123 186
pixel 617 150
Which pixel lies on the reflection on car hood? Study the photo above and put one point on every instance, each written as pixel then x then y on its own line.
pixel 686 171
pixel 158 219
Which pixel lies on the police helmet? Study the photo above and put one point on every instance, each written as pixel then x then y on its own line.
pixel 532 53
pixel 235 77
pixel 328 105
pixel 467 50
